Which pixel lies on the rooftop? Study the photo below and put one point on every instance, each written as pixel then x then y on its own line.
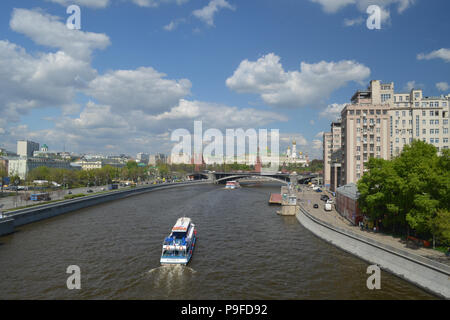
pixel 349 190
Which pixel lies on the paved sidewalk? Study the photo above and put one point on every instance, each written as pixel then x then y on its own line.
pixel 308 198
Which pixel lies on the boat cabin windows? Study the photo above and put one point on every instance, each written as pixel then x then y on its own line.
pixel 179 234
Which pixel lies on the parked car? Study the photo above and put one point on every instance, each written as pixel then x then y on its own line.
pixel 324 197
pixel 327 206
pixel 89 191
pixel 319 190
pixel 316 206
pixel 70 192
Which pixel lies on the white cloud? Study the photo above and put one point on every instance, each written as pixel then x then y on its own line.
pixel 48 80
pixel 174 24
pixel 332 6
pixel 207 13
pixel 442 86
pixel 412 85
pixel 104 3
pixel 84 3
pixel 443 54
pixel 317 144
pixel 144 88
pixel 47 30
pixel 312 84
pixel 353 22
pixel 156 3
pixel 332 111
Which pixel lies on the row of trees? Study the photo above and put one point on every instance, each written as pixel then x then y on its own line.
pixel 410 192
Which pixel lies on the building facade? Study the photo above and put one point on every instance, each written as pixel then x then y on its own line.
pixel 23 166
pixel 379 123
pixel 26 148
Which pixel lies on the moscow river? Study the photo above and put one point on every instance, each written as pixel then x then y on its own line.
pixel 244 251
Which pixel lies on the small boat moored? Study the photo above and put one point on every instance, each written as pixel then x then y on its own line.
pixel 178 247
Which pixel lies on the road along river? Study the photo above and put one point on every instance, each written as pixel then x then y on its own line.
pixel 244 251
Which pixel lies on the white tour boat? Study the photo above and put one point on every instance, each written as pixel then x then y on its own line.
pixel 232 185
pixel 178 247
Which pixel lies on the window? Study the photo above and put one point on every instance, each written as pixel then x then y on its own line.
pixel 424 104
pixel 404 141
pixel 416 104
pixel 431 140
pixel 423 113
pixel 358 112
pixel 436 131
pixel 400 98
pixel 403 122
pixel 403 113
pixel 436 121
pixel 378 130
pixel 444 104
pixel 431 131
pixel 436 113
pixel 431 122
pixel 397 113
pixel 396 122
pixel 358 120
pixel 431 113
pixel 445 130
pixel 417 95
pixel 358 148
pixel 378 111
pixel 378 120
pixel 378 139
pixel 351 112
pixel 424 131
pixel 424 122
pixel 396 140
pixel 445 121
pixel 445 140
pixel 436 140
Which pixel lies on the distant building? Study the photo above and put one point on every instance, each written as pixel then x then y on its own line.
pixel 293 157
pixel 142 158
pixel 99 164
pixel 23 166
pixel 347 202
pixel 26 148
pixel 157 159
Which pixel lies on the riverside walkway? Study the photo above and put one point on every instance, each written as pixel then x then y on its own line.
pixel 308 198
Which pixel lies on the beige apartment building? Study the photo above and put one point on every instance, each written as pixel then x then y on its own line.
pixel 379 123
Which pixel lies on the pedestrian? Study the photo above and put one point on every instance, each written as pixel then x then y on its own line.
pixel 374 229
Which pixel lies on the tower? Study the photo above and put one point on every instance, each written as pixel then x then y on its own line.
pixel 288 152
pixel 294 149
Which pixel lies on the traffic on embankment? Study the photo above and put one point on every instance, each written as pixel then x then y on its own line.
pixel 426 273
pixel 13 219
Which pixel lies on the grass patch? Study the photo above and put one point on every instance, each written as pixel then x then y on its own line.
pixel 441 249
pixel 73 196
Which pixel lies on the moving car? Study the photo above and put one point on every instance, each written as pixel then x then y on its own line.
pixel 327 206
pixel 316 206
pixel 324 197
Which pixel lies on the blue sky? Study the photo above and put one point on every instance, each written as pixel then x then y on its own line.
pixel 240 67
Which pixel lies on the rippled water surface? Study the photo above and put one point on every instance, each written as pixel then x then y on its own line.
pixel 244 251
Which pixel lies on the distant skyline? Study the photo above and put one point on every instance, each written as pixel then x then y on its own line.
pixel 139 69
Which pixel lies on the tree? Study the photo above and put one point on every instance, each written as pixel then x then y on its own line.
pixel 3 174
pixel 410 191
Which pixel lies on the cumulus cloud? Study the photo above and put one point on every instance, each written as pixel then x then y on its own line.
pixel 442 86
pixel 443 54
pixel 104 3
pixel 144 88
pixel 332 6
pixel 206 14
pixel 332 111
pixel 312 84
pixel 48 30
pixel 45 80
pixel 84 3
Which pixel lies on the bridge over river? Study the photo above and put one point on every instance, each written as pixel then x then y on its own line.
pixel 244 251
pixel 223 177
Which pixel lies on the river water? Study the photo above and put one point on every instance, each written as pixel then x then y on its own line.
pixel 244 251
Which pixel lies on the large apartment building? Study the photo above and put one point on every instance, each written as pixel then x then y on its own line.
pixel 379 123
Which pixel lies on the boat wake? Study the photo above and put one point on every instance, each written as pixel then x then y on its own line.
pixel 170 277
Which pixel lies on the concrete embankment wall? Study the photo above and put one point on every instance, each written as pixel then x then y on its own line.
pixel 428 274
pixel 25 216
